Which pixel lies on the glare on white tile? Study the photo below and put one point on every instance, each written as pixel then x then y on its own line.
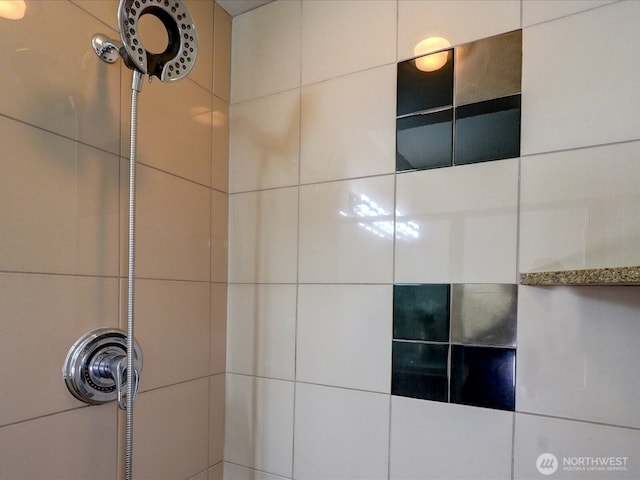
pixel 173 226
pixel 236 472
pixel 459 224
pixel 363 35
pixel 340 433
pixel 537 11
pixel 344 133
pixel 354 324
pixel 263 236
pixel 261 330
pixel 265 142
pixel 585 101
pixel 429 440
pixel 42 316
pixel 459 22
pixel 571 448
pixel 40 448
pixel 171 317
pixel 174 127
pixel 58 204
pixel 172 431
pixel 346 231
pixel 578 209
pixel 579 343
pixel 259 424
pixel 63 87
pixel 265 50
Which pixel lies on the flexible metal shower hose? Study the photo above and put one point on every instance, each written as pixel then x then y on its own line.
pixel 136 85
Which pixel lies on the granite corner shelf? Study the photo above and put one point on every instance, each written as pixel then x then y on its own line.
pixel 615 276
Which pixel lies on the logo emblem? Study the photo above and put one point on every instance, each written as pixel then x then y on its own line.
pixel 547 464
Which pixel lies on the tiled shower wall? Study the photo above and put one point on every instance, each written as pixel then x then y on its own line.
pixel 310 302
pixel 64 133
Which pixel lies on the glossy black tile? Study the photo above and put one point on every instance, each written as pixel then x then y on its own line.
pixel 484 314
pixel 420 370
pixel 487 130
pixel 421 312
pixel 418 90
pixel 424 141
pixel 483 377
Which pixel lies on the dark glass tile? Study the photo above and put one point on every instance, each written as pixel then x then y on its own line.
pixel 421 312
pixel 420 370
pixel 483 377
pixel 484 314
pixel 489 68
pixel 424 141
pixel 488 130
pixel 418 90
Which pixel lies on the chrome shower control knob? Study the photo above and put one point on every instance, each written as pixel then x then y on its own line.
pixel 95 369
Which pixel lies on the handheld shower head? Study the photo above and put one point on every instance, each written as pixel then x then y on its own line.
pixel 178 58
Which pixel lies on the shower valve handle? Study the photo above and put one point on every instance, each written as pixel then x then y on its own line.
pixel 121 383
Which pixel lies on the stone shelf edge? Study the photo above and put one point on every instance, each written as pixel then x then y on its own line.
pixel 592 276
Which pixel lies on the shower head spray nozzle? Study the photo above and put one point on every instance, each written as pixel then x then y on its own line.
pixel 178 58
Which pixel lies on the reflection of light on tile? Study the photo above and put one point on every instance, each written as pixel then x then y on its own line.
pixel 431 63
pixel 376 220
pixel 206 117
pixel 12 9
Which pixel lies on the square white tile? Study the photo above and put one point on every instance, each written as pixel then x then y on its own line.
pixel 236 472
pixel 556 448
pixel 577 353
pixel 340 434
pixel 259 424
pixel 263 236
pixel 578 209
pixel 538 11
pixel 264 144
pixel 354 324
pixel 265 50
pixel 363 35
pixel 261 330
pixel 344 134
pixel 346 231
pixel 440 441
pixel 587 100
pixel 458 22
pixel 460 224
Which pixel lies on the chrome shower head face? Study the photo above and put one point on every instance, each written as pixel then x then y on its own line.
pixel 179 57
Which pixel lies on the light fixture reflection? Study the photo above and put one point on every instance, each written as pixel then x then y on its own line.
pixel 13 9
pixel 376 220
pixel 435 61
pixel 205 116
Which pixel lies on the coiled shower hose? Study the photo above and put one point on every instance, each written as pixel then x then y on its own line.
pixel 136 86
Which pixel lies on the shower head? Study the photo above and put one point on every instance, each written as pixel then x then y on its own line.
pixel 178 58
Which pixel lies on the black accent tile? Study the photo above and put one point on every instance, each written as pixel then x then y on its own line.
pixel 487 130
pixel 424 141
pixel 419 91
pixel 420 370
pixel 421 312
pixel 484 314
pixel 483 377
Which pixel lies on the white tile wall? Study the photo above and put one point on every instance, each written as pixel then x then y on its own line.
pixel 236 472
pixel 340 433
pixel 459 22
pixel 259 424
pixel 345 234
pixel 362 131
pixel 537 11
pixel 578 209
pixel 264 145
pixel 433 440
pixel 354 324
pixel 577 86
pixel 362 35
pixel 571 442
pixel 261 331
pixel 263 236
pixel 467 224
pixel 265 50
pixel 583 343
